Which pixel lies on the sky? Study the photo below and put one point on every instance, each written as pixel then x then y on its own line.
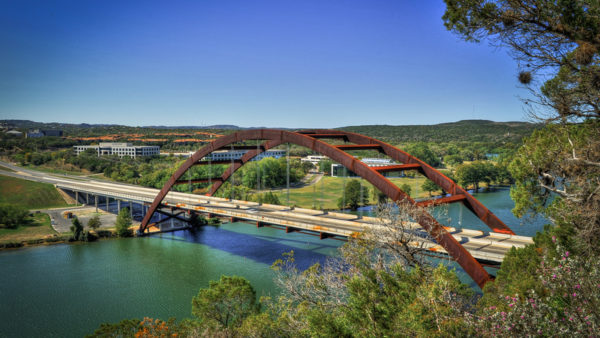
pixel 279 63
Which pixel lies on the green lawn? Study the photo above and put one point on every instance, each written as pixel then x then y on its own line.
pixel 40 228
pixel 328 191
pixel 32 195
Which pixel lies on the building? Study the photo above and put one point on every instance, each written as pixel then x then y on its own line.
pixel 314 159
pixel 120 149
pixel 15 133
pixel 41 133
pixel 228 155
pixel 338 169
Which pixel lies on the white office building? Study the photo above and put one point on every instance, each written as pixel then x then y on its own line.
pixel 120 149
pixel 228 155
pixel 338 169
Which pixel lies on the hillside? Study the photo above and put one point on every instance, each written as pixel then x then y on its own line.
pixel 465 130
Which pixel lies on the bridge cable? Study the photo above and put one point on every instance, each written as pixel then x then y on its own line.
pixel 288 174
pixel 344 191
pixel 360 211
pixel 258 197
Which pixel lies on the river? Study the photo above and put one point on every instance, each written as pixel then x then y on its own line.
pixel 68 290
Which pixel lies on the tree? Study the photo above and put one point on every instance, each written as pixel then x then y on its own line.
pixel 325 166
pixel 268 198
pixel 123 223
pixel 377 287
pixel 77 229
pixel 11 216
pixel 424 153
pixel 355 195
pixel 406 188
pixel 430 186
pixel 557 173
pixel 225 303
pixel 94 222
pixel 560 38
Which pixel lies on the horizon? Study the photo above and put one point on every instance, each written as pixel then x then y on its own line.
pixel 214 126
pixel 262 63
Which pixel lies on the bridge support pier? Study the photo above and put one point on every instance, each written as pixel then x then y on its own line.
pixel 107 204
pixel 259 224
pixel 131 210
pixel 323 235
pixel 87 198
pixel 118 206
pixel 233 219
pixel 289 229
pixel 76 198
pixel 96 202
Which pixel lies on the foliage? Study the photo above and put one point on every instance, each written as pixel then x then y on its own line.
pixel 225 303
pixel 325 166
pixel 196 220
pixel 475 173
pixel 268 198
pixel 559 38
pixel 406 188
pixel 430 186
pixel 424 153
pixel 568 305
pixel 77 229
pixel 453 159
pixel 11 216
pixel 464 133
pixel 94 222
pixel 123 223
pixel 361 295
pixel 557 174
pixel 124 328
pixel 152 328
pixel 354 195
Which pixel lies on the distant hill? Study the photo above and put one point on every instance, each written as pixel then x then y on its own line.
pixel 465 130
pixel 27 124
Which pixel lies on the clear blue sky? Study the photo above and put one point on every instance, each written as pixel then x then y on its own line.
pixel 279 63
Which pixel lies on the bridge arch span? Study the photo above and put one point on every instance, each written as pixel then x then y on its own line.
pixel 313 139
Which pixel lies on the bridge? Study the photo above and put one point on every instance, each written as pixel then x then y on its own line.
pixel 470 248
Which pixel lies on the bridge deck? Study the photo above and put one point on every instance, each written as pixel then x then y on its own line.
pixel 487 246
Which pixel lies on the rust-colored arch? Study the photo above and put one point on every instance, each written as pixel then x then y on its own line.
pixel 312 139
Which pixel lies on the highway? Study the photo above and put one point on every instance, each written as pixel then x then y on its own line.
pixel 486 246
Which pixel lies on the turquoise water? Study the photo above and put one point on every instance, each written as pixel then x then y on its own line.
pixel 68 290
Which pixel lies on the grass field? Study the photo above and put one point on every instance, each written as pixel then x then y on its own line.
pixel 327 192
pixel 39 228
pixel 32 195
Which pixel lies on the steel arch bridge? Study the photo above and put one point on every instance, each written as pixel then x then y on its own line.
pixel 313 139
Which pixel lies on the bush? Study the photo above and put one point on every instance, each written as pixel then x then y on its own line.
pixel 11 216
pixel 123 223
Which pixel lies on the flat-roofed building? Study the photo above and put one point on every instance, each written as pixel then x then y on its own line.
pixel 119 149
pixel 228 155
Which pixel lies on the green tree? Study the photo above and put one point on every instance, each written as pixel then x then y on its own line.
pixel 11 216
pixel 123 223
pixel 430 186
pixel 406 188
pixel 567 43
pixel 424 153
pixel 225 303
pixel 352 195
pixel 77 229
pixel 453 159
pixel 94 222
pixel 325 166
pixel 268 198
